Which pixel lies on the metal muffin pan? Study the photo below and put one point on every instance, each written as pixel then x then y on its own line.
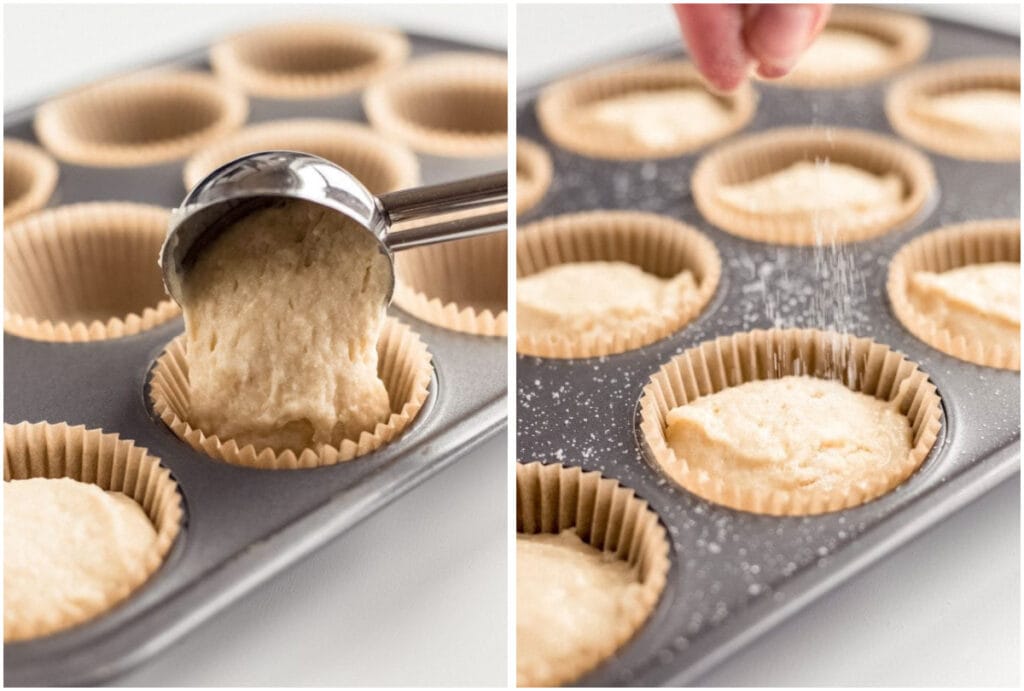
pixel 734 575
pixel 242 525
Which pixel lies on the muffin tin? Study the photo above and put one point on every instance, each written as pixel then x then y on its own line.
pixel 735 575
pixel 241 525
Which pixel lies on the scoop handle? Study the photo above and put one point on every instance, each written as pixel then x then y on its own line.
pixel 448 211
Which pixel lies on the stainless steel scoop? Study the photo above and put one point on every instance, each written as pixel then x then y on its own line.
pixel 251 182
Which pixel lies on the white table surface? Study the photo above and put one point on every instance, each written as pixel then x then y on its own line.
pixel 415 595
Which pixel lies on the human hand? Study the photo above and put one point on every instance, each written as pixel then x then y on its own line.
pixel 726 40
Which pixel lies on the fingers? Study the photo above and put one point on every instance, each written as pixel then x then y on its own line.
pixel 714 37
pixel 777 35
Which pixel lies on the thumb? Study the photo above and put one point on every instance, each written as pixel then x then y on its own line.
pixel 776 35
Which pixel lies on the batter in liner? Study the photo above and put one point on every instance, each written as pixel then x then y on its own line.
pixel 839 53
pixel 993 112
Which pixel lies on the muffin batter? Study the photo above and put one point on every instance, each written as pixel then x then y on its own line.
pixel 591 298
pixel 71 550
pixel 793 433
pixel 282 316
pixel 979 111
pixel 978 301
pixel 838 53
pixel 571 603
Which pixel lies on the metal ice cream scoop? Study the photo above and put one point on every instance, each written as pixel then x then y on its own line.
pixel 251 182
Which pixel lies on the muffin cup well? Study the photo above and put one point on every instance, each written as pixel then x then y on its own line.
pixel 558 102
pixel 140 119
pixel 381 165
pixel 611 518
pixel 860 364
pixel 86 272
pixel 948 248
pixel 906 36
pixel 757 155
pixel 657 244
pixel 448 104
pixel 948 77
pixel 533 174
pixel 45 450
pixel 30 177
pixel 307 60
pixel 404 366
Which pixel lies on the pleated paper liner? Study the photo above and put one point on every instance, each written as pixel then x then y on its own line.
pixel 447 104
pixel 380 164
pixel 308 60
pixel 905 37
pixel 404 367
pixel 945 78
pixel 977 242
pixel 30 177
pixel 533 174
pixel 657 244
pixel 860 364
pixel 85 272
pixel 140 119
pixel 558 104
pixel 755 156
pixel 45 450
pixel 611 518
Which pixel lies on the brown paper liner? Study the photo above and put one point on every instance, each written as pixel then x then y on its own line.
pixel 950 248
pixel 381 165
pixel 558 102
pixel 448 104
pixel 533 174
pixel 611 518
pixel 140 119
pixel 308 60
pixel 947 77
pixel 860 364
pixel 89 455
pixel 757 155
pixel 404 366
pixel 657 244
pixel 86 272
pixel 906 36
pixel 30 177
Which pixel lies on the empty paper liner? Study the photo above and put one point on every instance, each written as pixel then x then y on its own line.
pixel 533 174
pixel 45 450
pixel 756 156
pixel 907 99
pixel 559 106
pixel 448 104
pixel 859 364
pixel 307 60
pixel 86 272
pixel 141 119
pixel 30 176
pixel 658 245
pixel 609 517
pixel 403 365
pixel 977 242
pixel 381 165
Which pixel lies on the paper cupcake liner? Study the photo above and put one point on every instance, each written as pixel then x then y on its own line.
pixel 404 366
pixel 860 364
pixel 449 104
pixel 141 119
pixel 381 165
pixel 657 244
pixel 947 77
pixel 942 250
pixel 45 450
pixel 308 60
pixel 557 103
pixel 30 177
pixel 460 285
pixel 757 155
pixel 906 36
pixel 611 518
pixel 86 272
pixel 533 174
